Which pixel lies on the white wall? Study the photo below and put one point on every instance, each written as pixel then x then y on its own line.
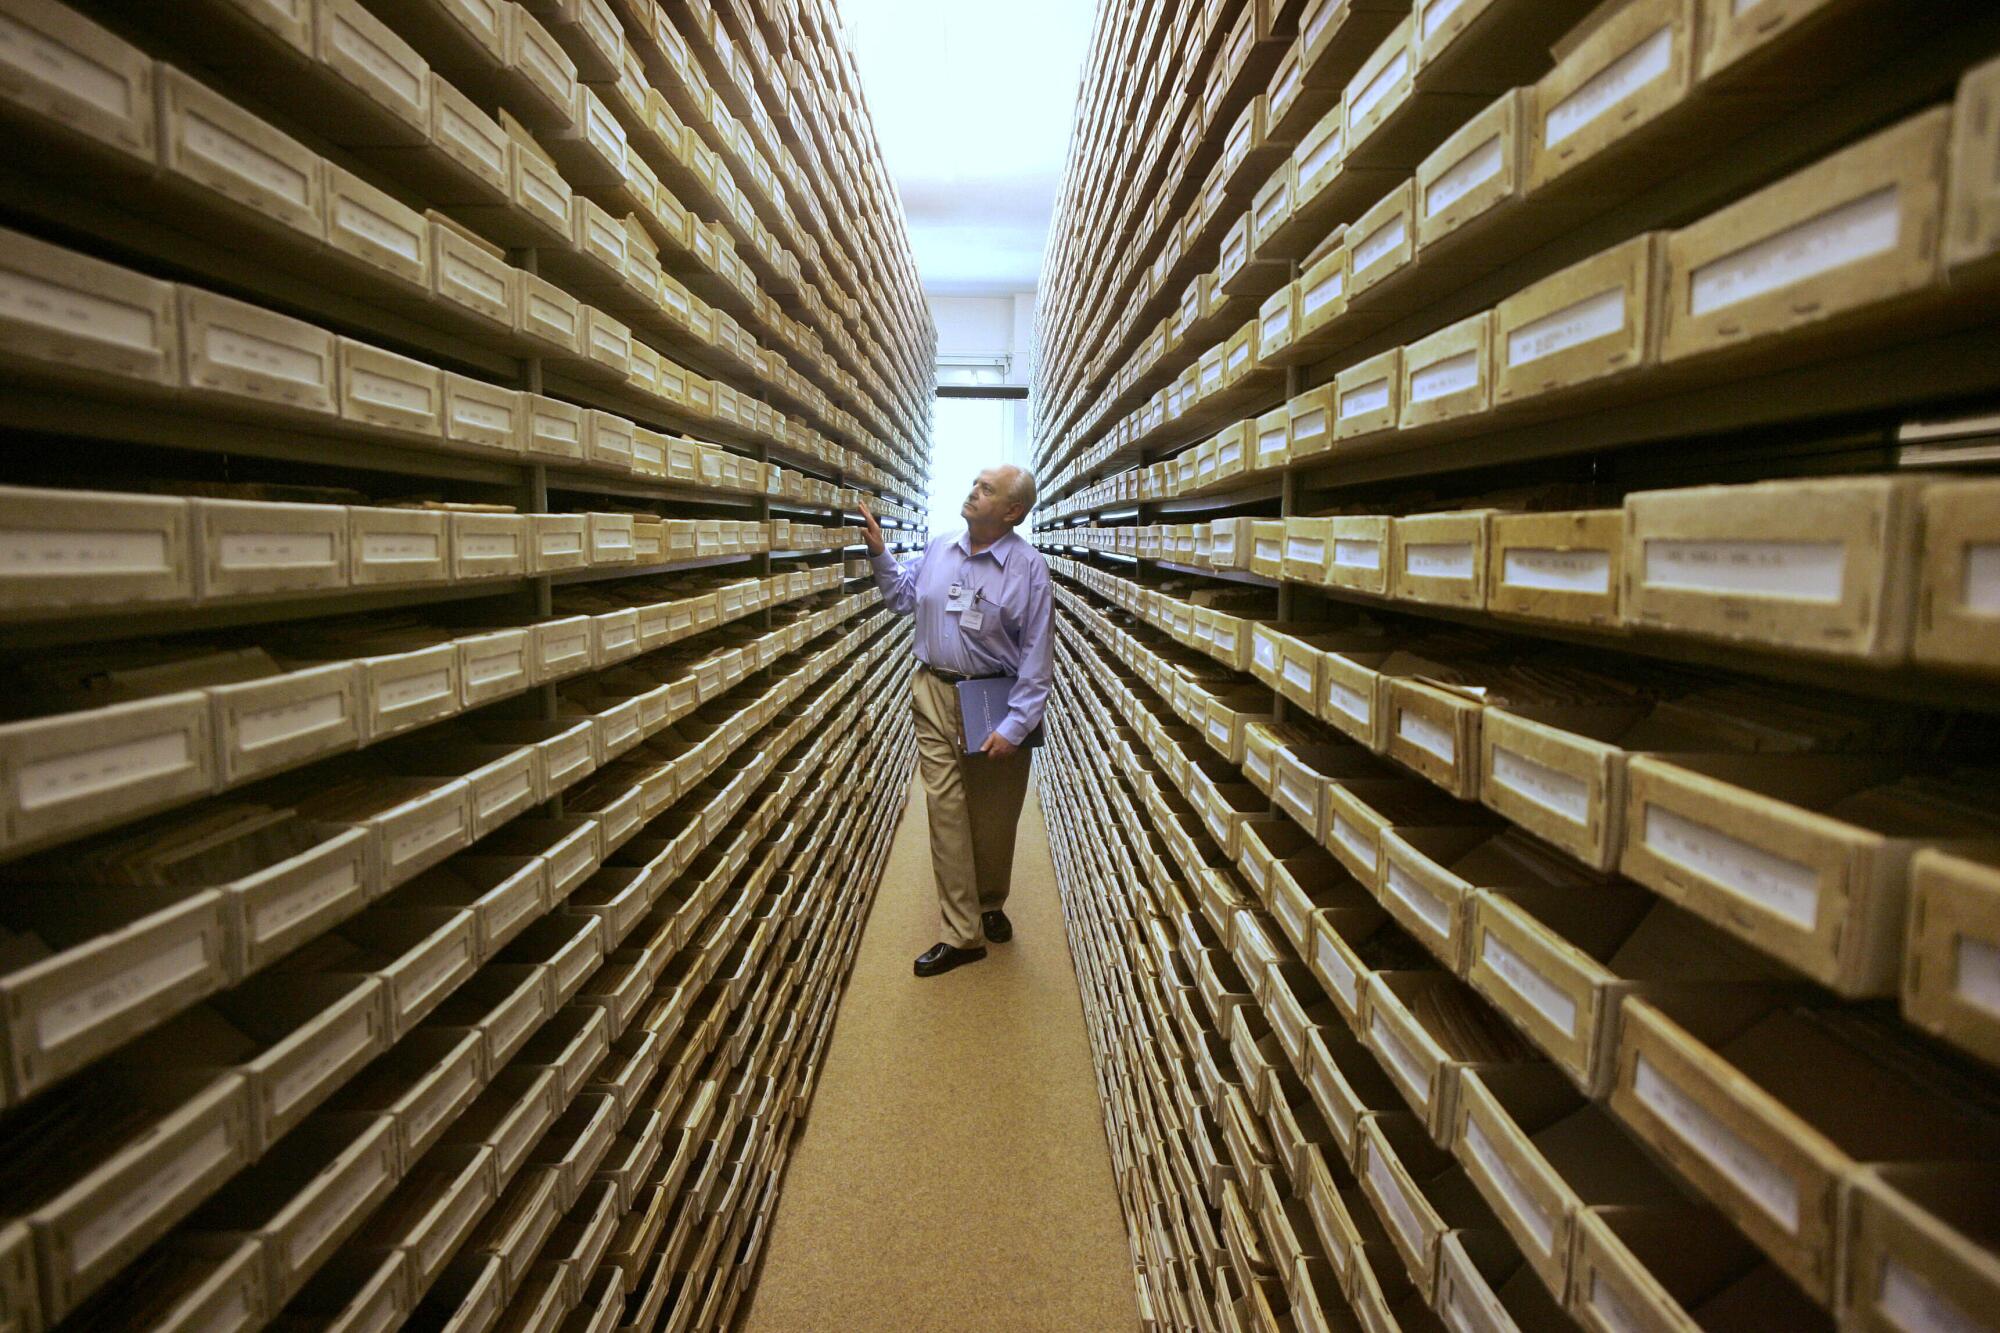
pixel 986 326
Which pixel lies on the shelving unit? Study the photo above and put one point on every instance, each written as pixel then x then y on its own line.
pixel 1519 763
pixel 433 620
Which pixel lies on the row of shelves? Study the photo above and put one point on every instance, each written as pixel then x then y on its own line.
pixel 411 971
pixel 1441 1121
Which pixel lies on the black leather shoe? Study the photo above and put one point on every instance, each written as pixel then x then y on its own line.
pixel 998 928
pixel 943 958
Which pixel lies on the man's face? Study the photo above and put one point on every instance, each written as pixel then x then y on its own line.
pixel 989 502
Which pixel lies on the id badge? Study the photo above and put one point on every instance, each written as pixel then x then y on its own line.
pixel 955 597
pixel 972 619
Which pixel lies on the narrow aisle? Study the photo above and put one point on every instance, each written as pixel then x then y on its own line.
pixel 953 1172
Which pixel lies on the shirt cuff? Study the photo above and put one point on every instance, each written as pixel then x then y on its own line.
pixel 884 563
pixel 1011 730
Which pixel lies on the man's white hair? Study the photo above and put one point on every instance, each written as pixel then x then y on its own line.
pixel 1022 491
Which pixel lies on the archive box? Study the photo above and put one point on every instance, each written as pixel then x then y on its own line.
pixel 1563 566
pixel 1322 298
pixel 1972 206
pixel 1440 558
pixel 1732 1095
pixel 1827 567
pixel 1310 416
pixel 1625 67
pixel 1367 398
pixel 370 226
pixel 1474 174
pixel 269 723
pixel 1666 1267
pixel 84 80
pixel 69 772
pixel 100 321
pixel 1358 553
pixel 1919 1246
pixel 1594 320
pixel 238 351
pixel 1420 1193
pixel 1958 581
pixel 1951 964
pixel 1448 374
pixel 1486 1284
pixel 215 147
pixel 478 417
pixel 1846 236
pixel 362 52
pixel 472 275
pixel 262 547
pixel 70 550
pixel 397 546
pixel 1382 241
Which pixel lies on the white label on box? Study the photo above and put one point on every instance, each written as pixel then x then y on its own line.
pixel 1349 553
pixel 1610 1310
pixel 377 62
pixel 1776 883
pixel 1454 374
pixel 385 391
pixel 1370 397
pixel 84 1008
pixel 455 129
pixel 205 139
pixel 1427 735
pixel 1622 78
pixel 413 690
pixel 1464 176
pixel 388 548
pixel 295 905
pixel 1380 243
pixel 459 271
pixel 53 65
pixel 1401 1215
pixel 351 215
pixel 1720 1146
pixel 1297 676
pixel 262 356
pixel 427 835
pixel 489 667
pixel 1801 571
pixel 1359 844
pixel 27 299
pixel 1337 971
pixel 1402 1062
pixel 274 550
pixel 501 795
pixel 349 1040
pixel 324 1219
pixel 34 552
pixel 1978 981
pixel 1271 441
pixel 1327 289
pixel 82 773
pixel 1526 1208
pixel 1520 976
pixel 1551 788
pixel 1305 550
pixel 417 986
pixel 1857 230
pixel 1218 730
pixel 1379 87
pixel 137 1203
pixel 1434 14
pixel 470 1199
pixel 1587 320
pixel 1981 593
pixel 481 417
pixel 1264 653
pixel 1915 1306
pixel 1349 701
pixel 562 543
pixel 261 726
pixel 1555 570
pixel 1434 911
pixel 1268 550
pixel 445 1097
pixel 1438 560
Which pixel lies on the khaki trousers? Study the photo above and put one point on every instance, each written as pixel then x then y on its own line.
pixel 975 806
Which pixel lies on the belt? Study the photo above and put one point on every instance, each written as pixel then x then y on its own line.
pixel 955 677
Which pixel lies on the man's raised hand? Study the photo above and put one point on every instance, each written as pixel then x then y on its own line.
pixel 871 531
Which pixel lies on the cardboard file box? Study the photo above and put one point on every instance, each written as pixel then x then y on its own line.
pixel 267 725
pixel 389 392
pixel 218 149
pixel 1480 170
pixel 1952 954
pixel 156 1148
pixel 471 276
pixel 1322 298
pixel 1958 587
pixel 411 824
pixel 83 81
pixel 90 320
pixel 1419 1193
pixel 306 1196
pixel 549 317
pixel 1972 208
pixel 1367 397
pixel 1844 237
pixel 1449 374
pixel 70 772
pixel 1440 558
pixel 257 547
pixel 1484 1282
pixel 1427 1029
pixel 1565 567
pixel 1665 1267
pixel 482 418
pixel 1382 241
pixel 432 1210
pixel 1596 319
pixel 397 546
pixel 489 546
pixel 558 542
pixel 1618 71
pixel 1727 1095
pixel 503 1006
pixel 554 429
pixel 361 52
pixel 570 947
pixel 503 894
pixel 460 132
pixel 192 1284
pixel 1918 1246
pixel 243 352
pixel 370 226
pixel 1823 567
pixel 422 1085
pixel 66 550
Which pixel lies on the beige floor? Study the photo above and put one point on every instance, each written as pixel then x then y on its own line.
pixel 952 1173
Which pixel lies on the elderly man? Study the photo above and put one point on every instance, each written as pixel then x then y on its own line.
pixel 981 599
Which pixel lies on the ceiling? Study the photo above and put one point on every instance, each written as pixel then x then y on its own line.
pixel 972 102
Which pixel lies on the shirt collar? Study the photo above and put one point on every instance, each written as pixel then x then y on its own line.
pixel 998 550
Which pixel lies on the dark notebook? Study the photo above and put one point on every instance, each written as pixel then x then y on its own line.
pixel 982 706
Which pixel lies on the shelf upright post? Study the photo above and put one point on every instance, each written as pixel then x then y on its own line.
pixel 534 492
pixel 1288 498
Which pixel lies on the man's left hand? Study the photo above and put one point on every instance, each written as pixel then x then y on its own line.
pixel 998 747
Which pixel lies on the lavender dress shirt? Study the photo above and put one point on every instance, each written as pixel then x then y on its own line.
pixel 1016 637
